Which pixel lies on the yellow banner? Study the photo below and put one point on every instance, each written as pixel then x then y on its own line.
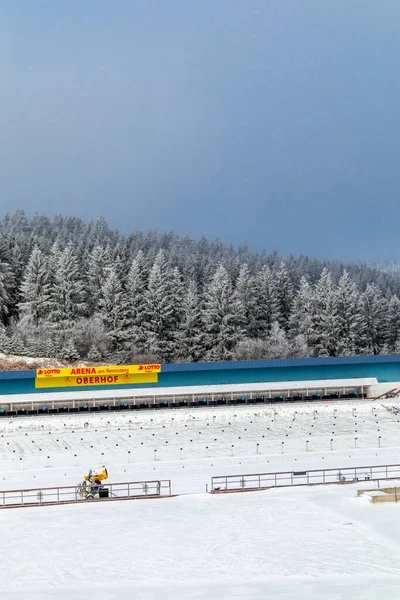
pixel 85 371
pixel 89 380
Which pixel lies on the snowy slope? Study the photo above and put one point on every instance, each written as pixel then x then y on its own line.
pixel 296 543
pixel 320 542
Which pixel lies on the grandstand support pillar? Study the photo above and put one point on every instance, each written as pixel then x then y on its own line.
pixel 154 399
pixel 270 394
pixel 251 395
pixel 362 391
pixel 52 404
pixel 32 406
pixel 325 394
pixel 113 401
pixel 212 396
pixel 94 402
pixel 306 392
pixel 231 395
pixel 73 402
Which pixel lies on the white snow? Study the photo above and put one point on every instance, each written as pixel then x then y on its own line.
pixel 296 543
pixel 194 444
pixel 318 542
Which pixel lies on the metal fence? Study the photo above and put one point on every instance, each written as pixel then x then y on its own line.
pixel 294 478
pixel 70 494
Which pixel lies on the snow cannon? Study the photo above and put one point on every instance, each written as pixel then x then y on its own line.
pixel 91 486
pixel 97 474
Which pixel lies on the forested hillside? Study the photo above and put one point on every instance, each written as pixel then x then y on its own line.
pixel 74 289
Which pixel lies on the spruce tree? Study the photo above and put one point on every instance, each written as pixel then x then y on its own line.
pixel 94 355
pixel 5 343
pixel 374 313
pixel 99 261
pixel 20 253
pixel 159 315
pixel 136 287
pixel 302 317
pixel 190 334
pixel 7 282
pixel 285 296
pixel 178 310
pixel 35 289
pixel 392 330
pixel 266 307
pixel 51 348
pixel 245 298
pixel 113 309
pixel 67 296
pixel 220 317
pixel 348 315
pixel 69 352
pixel 326 325
pixel 16 345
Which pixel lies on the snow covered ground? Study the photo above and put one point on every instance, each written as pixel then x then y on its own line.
pixel 188 446
pixel 319 542
pixel 296 543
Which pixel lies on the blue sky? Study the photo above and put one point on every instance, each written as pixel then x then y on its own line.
pixel 274 122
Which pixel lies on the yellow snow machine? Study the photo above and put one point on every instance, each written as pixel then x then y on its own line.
pixel 91 486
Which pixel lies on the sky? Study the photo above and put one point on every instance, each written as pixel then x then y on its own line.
pixel 271 122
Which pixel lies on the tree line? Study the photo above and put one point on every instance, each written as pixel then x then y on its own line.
pixel 79 290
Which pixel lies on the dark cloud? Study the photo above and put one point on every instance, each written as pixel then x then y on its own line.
pixel 271 122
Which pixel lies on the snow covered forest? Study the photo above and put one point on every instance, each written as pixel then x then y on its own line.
pixel 79 290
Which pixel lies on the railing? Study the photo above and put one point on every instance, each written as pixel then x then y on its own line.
pixel 69 494
pixel 293 478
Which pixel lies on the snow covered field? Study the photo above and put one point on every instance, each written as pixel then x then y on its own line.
pixel 319 542
pixel 296 543
pixel 188 446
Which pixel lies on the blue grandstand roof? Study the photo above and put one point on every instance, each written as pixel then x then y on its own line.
pixel 281 363
pixel 250 364
pixel 28 374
